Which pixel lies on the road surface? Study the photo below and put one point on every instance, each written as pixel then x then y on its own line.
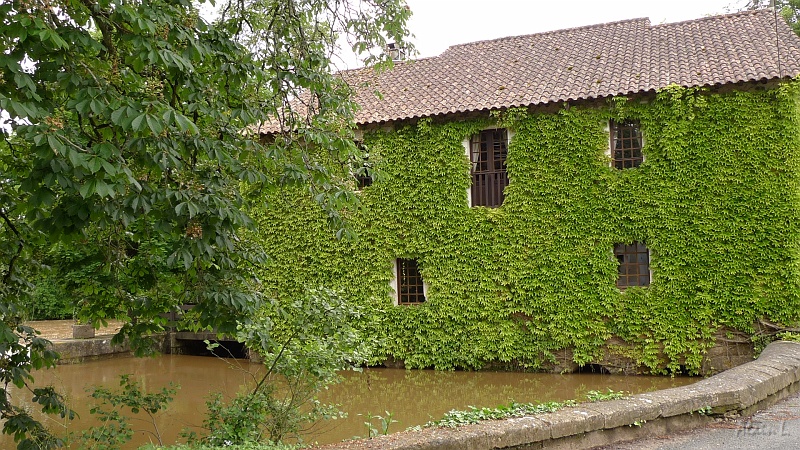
pixel 776 428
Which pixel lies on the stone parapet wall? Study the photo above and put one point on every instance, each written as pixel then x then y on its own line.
pixel 739 390
pixel 74 351
pixel 730 348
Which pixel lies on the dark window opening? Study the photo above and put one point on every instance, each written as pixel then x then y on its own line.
pixel 363 174
pixel 634 265
pixel 410 288
pixel 488 151
pixel 362 169
pixel 626 144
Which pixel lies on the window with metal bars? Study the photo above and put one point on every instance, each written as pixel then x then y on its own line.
pixel 488 151
pixel 626 144
pixel 410 287
pixel 634 265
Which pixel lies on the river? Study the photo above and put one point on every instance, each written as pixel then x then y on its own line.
pixel 412 397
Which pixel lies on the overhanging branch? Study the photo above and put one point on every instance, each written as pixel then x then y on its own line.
pixel 20 246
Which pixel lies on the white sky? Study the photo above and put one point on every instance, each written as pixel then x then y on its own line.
pixel 438 24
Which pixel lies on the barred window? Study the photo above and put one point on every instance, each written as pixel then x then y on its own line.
pixel 626 144
pixel 634 265
pixel 488 151
pixel 410 287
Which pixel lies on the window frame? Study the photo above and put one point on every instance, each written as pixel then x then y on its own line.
pixel 492 193
pixel 397 282
pixel 622 253
pixel 636 156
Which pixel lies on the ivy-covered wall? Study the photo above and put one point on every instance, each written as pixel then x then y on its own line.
pixel 716 201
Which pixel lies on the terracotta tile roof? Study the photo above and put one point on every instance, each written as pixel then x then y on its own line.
pixel 580 63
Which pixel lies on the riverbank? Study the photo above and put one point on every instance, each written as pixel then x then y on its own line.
pixel 737 391
pixel 741 390
pixel 411 397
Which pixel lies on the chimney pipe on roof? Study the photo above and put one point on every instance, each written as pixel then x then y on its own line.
pixel 395 52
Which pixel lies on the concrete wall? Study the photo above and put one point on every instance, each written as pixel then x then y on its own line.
pixel 740 390
pixel 74 351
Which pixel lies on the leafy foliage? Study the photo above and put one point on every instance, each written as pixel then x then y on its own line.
pixel 456 418
pixel 24 351
pixel 384 422
pixel 716 201
pixel 49 300
pixel 130 128
pixel 600 396
pixel 303 346
pixel 116 429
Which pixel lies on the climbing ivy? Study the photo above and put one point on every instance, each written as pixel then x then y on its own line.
pixel 716 202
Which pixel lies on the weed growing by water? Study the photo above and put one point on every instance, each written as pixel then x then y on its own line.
pixel 704 411
pixel 385 421
pixel 600 396
pixel 116 429
pixel 456 418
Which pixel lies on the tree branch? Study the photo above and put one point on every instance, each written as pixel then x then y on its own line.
pixel 101 20
pixel 20 246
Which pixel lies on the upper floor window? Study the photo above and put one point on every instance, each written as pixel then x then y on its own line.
pixel 634 265
pixel 410 287
pixel 488 151
pixel 360 167
pixel 362 172
pixel 626 144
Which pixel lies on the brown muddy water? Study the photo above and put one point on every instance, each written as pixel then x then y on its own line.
pixel 412 397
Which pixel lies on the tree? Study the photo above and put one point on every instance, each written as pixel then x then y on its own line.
pixel 316 339
pixel 789 9
pixel 131 127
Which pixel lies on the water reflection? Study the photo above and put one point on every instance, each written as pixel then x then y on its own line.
pixel 412 397
pixel 415 397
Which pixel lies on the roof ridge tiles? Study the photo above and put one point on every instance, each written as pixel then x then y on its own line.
pixel 400 63
pixel 550 32
pixel 754 12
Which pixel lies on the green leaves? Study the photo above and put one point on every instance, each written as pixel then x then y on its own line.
pixel 115 428
pixel 154 123
pixel 95 186
pixel 456 418
pixel 304 345
pixel 54 142
pixel 534 280
pixel 138 123
pixel 131 139
pixel 181 122
pixel 189 207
